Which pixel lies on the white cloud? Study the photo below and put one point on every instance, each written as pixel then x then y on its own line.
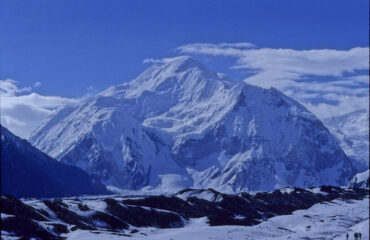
pixel 327 81
pixel 22 110
pixel 345 104
pixel 37 84
pixel 227 49
pixel 236 45
pixel 162 60
pixel 300 62
pixel 9 87
pixel 210 49
pixel 151 60
pixel 90 91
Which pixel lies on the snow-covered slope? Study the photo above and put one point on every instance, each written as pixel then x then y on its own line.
pixel 331 220
pixel 352 132
pixel 180 124
pixel 27 172
pixel 360 180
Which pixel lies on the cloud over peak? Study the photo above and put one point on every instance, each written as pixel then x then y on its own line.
pixel 328 81
pixel 22 110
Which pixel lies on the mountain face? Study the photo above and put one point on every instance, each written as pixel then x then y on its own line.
pixel 27 172
pixel 180 124
pixel 352 133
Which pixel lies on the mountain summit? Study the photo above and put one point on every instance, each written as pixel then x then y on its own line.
pixel 180 124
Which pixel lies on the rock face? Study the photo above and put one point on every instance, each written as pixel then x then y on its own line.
pixel 352 133
pixel 180 124
pixel 27 172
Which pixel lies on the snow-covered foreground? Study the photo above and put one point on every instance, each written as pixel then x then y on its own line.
pixel 327 212
pixel 322 221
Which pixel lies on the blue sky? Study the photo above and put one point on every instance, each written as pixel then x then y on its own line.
pixel 100 43
pixel 69 48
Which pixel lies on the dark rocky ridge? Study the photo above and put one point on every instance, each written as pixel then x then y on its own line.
pixel 28 172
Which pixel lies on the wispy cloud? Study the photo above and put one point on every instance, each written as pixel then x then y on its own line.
pixel 9 87
pixel 37 84
pixel 152 60
pixel 22 110
pixel 327 81
pixel 162 60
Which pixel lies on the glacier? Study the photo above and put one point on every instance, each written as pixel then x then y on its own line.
pixel 180 124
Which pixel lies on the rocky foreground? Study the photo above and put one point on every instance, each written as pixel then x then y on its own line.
pixel 131 216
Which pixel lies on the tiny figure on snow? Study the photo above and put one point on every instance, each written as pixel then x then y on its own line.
pixel 355 235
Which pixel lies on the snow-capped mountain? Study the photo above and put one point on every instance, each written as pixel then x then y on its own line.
pixel 180 124
pixel 352 132
pixel 27 172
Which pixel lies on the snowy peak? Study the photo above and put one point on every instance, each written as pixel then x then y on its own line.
pixel 188 97
pixel 180 75
pixel 174 66
pixel 181 125
pixel 181 64
pixel 166 73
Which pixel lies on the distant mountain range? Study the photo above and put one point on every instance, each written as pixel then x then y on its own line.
pixel 180 124
pixel 352 132
pixel 27 172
